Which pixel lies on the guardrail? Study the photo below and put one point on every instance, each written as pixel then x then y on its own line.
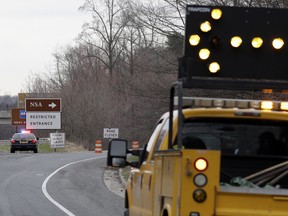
pixel 40 141
pixel 4 142
pixel 44 140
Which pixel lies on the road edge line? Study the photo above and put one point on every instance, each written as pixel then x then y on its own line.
pixel 44 185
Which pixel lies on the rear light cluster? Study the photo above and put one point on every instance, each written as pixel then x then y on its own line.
pixel 200 180
pixel 32 141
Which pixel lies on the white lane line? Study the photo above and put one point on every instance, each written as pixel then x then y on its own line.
pixel 44 185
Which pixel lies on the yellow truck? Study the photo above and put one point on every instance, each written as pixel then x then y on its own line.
pixel 215 156
pixel 225 167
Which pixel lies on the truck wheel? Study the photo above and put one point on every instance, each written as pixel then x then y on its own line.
pixel 12 151
pixel 126 213
pixel 36 150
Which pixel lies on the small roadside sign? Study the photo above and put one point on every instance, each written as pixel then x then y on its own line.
pixel 43 105
pixel 57 140
pixel 106 133
pixel 110 133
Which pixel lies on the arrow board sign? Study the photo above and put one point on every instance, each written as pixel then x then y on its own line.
pixel 43 104
pixel 43 120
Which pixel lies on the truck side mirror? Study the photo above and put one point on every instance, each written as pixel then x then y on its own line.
pixel 117 148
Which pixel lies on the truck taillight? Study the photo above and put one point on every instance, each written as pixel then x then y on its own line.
pixel 200 180
pixel 34 141
pixel 201 164
pixel 13 141
pixel 199 195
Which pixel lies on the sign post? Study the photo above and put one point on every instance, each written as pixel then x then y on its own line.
pixel 21 100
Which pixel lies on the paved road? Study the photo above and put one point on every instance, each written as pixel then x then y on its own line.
pixel 56 184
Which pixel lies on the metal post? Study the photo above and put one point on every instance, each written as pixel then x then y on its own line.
pixel 175 85
pixel 180 116
pixel 171 103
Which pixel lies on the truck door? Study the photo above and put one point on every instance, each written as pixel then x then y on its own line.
pixel 147 190
pixel 142 185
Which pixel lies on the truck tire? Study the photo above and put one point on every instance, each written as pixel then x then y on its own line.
pixel 36 150
pixel 126 213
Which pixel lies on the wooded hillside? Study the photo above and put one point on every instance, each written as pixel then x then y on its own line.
pixel 118 72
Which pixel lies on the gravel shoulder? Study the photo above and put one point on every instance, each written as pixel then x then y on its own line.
pixel 114 180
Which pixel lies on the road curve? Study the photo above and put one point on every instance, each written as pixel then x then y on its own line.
pixel 29 183
pixel 44 185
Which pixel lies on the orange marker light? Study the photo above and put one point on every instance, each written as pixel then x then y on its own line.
pixel 284 106
pixel 267 105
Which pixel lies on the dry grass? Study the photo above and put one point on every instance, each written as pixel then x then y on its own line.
pixel 46 148
pixel 72 147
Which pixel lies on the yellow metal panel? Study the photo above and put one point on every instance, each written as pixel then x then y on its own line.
pixel 167 181
pixel 248 204
pixel 135 204
pixel 157 188
pixel 147 189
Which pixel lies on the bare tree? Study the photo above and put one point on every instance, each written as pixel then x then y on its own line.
pixel 244 3
pixel 104 31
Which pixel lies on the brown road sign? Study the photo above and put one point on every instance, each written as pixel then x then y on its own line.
pixel 43 105
pixel 18 116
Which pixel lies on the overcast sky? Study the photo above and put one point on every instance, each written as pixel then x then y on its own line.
pixel 30 32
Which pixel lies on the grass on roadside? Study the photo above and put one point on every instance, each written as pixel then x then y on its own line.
pixel 46 148
pixel 5 148
pixel 125 172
